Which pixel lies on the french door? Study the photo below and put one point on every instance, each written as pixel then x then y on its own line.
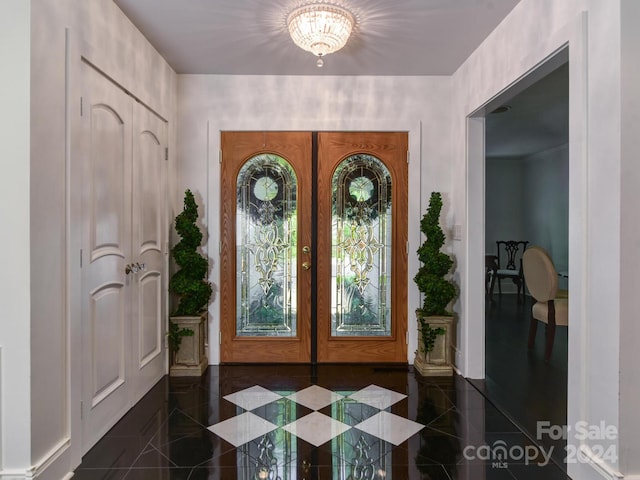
pixel 313 247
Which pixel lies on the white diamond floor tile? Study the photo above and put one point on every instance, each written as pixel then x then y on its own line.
pixel 253 397
pixel 242 428
pixel 378 397
pixel 316 428
pixel 389 427
pixel 315 397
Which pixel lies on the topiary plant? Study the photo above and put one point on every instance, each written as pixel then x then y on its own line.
pixel 438 291
pixel 189 282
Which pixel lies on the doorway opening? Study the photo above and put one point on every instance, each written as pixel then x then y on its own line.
pixel 525 166
pixel 313 247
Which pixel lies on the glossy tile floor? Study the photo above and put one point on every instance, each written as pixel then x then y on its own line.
pixel 523 386
pixel 329 422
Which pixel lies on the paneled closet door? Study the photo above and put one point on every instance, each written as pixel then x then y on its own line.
pixel 149 174
pixel 122 272
pixel 106 213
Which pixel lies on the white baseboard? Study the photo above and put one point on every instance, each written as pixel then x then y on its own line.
pixel 598 465
pixel 54 465
pixel 16 474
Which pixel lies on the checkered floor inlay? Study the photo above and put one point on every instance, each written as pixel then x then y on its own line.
pixel 315 415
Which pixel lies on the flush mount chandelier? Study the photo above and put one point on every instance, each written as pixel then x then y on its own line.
pixel 320 28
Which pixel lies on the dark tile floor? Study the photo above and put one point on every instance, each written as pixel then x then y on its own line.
pixel 518 381
pixel 451 430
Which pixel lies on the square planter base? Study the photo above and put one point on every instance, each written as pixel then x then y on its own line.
pixel 436 363
pixel 190 359
pixel 189 370
pixel 431 370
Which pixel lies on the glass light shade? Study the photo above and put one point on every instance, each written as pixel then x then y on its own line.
pixel 320 29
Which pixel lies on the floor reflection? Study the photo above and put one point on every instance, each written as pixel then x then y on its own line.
pixel 341 422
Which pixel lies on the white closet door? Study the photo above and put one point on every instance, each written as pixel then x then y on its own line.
pixel 148 230
pixel 124 228
pixel 106 226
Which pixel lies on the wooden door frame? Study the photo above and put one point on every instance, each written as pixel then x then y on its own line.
pixel 391 148
pixel 294 147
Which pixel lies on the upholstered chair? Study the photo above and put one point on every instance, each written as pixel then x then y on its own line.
pixel 541 279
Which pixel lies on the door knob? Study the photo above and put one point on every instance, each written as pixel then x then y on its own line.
pixel 306 265
pixel 134 268
pixel 306 250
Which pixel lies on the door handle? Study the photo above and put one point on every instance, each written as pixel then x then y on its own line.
pixel 307 251
pixel 134 268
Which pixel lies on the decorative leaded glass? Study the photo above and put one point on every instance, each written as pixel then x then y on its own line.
pixel 361 247
pixel 358 455
pixel 274 455
pixel 266 222
pixel 355 455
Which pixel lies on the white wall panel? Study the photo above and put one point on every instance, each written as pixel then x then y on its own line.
pixel 50 405
pixel 630 234
pixel 15 390
pixel 520 43
pixel 546 203
pixel 209 104
pixel 432 109
pixel 100 30
pixel 506 212
pixel 527 198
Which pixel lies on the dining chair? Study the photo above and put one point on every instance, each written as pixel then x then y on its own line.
pixel 509 265
pixel 490 269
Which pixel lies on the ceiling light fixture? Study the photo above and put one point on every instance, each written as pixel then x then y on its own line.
pixel 320 28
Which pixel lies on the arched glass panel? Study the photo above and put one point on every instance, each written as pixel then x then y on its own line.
pixel 266 219
pixel 361 247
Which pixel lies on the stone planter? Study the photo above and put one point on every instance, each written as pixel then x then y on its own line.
pixel 190 359
pixel 437 362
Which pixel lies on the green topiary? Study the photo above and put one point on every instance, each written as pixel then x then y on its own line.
pixel 438 291
pixel 189 282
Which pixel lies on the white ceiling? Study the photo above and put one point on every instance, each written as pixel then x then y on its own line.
pixel 249 37
pixel 392 37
